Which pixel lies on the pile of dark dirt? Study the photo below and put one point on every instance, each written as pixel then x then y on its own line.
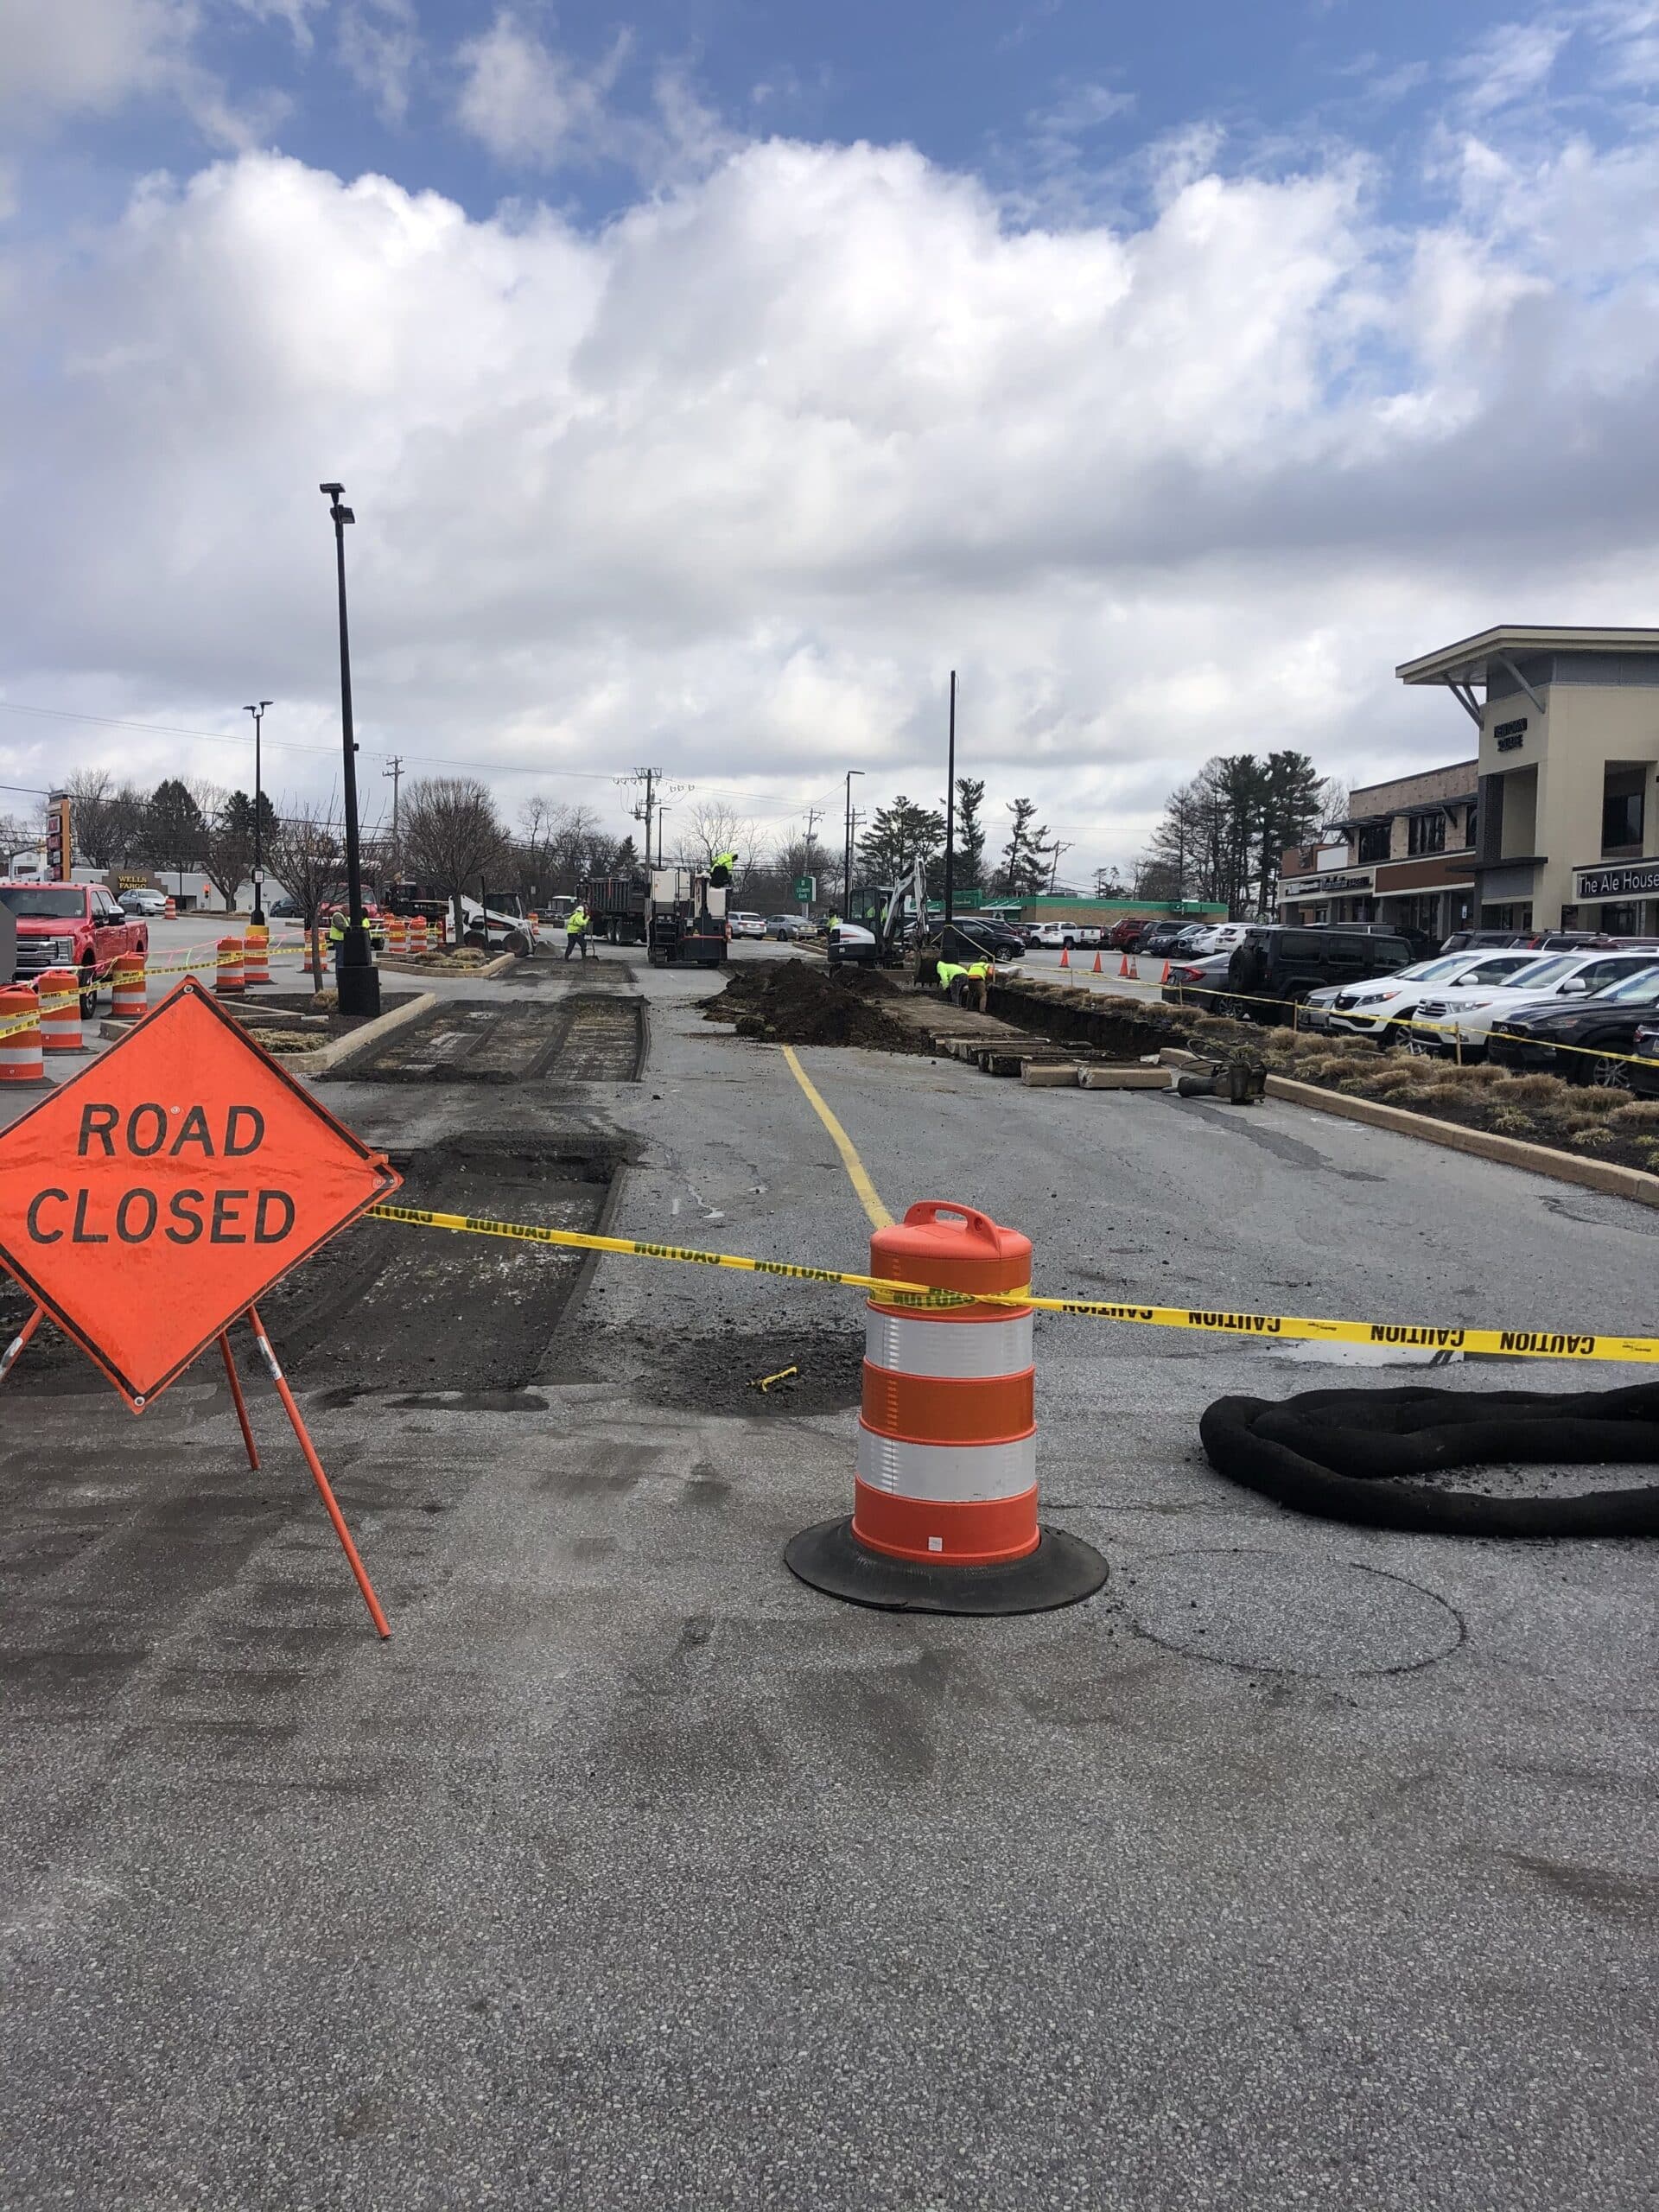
pixel 801 1002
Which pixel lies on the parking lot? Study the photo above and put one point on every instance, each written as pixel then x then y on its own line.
pixel 1304 1865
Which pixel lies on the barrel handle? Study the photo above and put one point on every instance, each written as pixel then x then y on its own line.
pixel 928 1212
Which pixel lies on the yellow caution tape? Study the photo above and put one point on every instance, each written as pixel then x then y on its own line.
pixel 1518 1343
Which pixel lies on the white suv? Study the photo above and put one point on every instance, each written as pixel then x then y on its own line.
pixel 1448 1020
pixel 1383 1007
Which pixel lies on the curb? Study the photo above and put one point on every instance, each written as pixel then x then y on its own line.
pixel 498 966
pixel 331 1056
pixel 1507 1152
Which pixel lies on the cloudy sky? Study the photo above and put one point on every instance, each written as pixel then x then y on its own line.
pixel 709 377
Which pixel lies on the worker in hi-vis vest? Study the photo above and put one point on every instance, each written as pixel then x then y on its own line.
pixel 719 875
pixel 576 931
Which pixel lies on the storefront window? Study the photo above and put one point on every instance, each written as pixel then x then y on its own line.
pixel 1373 844
pixel 1621 821
pixel 1426 833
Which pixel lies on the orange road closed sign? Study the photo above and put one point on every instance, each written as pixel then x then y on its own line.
pixel 149 1202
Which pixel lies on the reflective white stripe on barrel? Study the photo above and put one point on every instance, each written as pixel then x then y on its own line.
pixel 963 1351
pixel 967 1473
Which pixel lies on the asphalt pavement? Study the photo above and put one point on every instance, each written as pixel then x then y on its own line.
pixel 1305 1866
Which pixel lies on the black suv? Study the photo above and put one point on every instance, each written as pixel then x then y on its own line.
pixel 1279 966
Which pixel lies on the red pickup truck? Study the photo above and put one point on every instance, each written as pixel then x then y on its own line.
pixel 70 925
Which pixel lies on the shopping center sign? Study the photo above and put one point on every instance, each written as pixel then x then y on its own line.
pixel 1639 879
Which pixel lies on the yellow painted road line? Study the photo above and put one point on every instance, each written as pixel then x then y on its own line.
pixel 857 1173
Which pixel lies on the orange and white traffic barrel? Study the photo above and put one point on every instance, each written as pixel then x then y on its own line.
pixel 227 982
pixel 418 935
pixel 60 1004
pixel 944 1516
pixel 127 987
pixel 255 957
pixel 397 935
pixel 170 912
pixel 22 1060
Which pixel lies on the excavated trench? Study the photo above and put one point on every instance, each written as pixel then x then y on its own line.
pixel 583 1038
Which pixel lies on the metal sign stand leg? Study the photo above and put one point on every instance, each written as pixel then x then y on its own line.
pixel 9 1358
pixel 317 1476
pixel 236 1394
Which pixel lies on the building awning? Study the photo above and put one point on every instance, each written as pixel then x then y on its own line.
pixel 1466 662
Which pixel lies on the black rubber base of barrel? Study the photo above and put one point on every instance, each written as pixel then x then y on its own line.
pixel 1062 1570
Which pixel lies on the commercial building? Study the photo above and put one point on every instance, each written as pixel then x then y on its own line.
pixel 1567 817
pixel 1403 854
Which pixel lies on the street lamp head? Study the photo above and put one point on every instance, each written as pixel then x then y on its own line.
pixel 331 490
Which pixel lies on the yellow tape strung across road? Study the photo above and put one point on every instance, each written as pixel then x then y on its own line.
pixel 1520 1344
pixel 174 968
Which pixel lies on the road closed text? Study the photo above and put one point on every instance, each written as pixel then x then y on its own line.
pixel 220 1213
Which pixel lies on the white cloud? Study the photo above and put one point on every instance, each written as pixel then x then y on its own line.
pixel 1513 63
pixel 93 57
pixel 379 45
pixel 733 482
pixel 527 104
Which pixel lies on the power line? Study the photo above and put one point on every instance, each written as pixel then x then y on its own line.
pixel 297 744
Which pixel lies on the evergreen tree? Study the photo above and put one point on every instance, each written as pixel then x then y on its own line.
pixel 1026 857
pixel 970 870
pixel 898 836
pixel 172 828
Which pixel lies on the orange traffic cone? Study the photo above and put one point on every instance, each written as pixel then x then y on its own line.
pixel 1065 956
pixel 1124 964
pixel 1095 969
pixel 1164 978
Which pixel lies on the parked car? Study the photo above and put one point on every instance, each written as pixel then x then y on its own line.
pixel 1644 1072
pixel 1585 1041
pixel 1221 937
pixel 143 905
pixel 1382 1007
pixel 1459 1020
pixel 994 940
pixel 75 925
pixel 284 910
pixel 1126 932
pixel 786 927
pixel 1533 940
pixel 1279 965
pixel 1054 935
pixel 1201 982
pixel 748 925
pixel 1157 940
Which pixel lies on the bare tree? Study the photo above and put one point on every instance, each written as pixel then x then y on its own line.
pixel 304 854
pixel 92 816
pixel 452 834
pixel 708 827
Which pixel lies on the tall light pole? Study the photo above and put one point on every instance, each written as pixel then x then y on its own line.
pixel 661 812
pixel 846 874
pixel 950 809
pixel 357 978
pixel 258 917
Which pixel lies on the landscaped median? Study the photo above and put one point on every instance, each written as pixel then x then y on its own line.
pixel 1608 1126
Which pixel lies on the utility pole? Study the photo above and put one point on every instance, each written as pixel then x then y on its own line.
pixel 1055 850
pixel 395 771
pixel 812 813
pixel 847 872
pixel 950 809
pixel 650 778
